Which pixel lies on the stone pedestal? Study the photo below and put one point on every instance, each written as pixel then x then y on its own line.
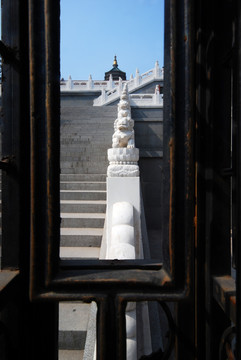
pixel 123 162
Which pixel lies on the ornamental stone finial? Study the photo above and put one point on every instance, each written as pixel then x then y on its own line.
pixel 123 156
pixel 124 125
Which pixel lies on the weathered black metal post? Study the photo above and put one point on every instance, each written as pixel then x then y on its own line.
pixel 111 329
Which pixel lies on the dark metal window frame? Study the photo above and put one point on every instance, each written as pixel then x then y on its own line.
pixel 113 283
pixel 126 277
pixel 110 283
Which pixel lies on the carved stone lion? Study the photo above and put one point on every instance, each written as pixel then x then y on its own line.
pixel 123 126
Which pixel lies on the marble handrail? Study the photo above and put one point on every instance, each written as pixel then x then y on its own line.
pixel 111 87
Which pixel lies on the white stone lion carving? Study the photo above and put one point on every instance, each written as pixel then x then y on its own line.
pixel 123 125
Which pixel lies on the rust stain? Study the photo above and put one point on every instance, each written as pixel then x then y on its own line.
pixel 233 300
pixel 171 146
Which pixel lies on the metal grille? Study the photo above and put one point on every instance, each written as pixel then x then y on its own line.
pixel 195 250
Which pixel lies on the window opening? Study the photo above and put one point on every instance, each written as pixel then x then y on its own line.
pixel 91 102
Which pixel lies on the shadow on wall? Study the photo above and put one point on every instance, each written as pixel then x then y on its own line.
pixel 149 141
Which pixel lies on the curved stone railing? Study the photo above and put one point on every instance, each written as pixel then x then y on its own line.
pixel 85 85
pixel 133 84
pixel 112 88
pixel 122 246
pixel 146 100
pixel 123 228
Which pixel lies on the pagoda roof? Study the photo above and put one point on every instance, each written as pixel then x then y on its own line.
pixel 115 72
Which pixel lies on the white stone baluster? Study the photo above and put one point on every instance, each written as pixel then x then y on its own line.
pixel 103 96
pixel 157 70
pixel 90 83
pixel 111 84
pixel 162 72
pixel 137 78
pixel 122 246
pixel 69 83
pixel 120 86
pixel 157 96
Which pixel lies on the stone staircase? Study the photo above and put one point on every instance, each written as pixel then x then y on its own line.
pixel 83 207
pixel 86 134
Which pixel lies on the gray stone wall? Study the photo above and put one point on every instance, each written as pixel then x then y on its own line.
pixel 149 140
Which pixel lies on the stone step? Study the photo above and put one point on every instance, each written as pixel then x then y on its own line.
pixel 87 162
pixel 90 112
pixel 76 170
pixel 77 253
pixel 83 177
pixel 83 158
pixel 92 139
pixel 92 146
pixel 77 113
pixel 76 141
pixel 78 145
pixel 81 206
pixel 86 131
pixel 72 150
pixel 85 220
pixel 86 127
pixel 85 166
pixel 73 322
pixel 88 136
pixel 70 354
pixel 89 116
pixel 82 185
pixel 81 237
pixel 83 155
pixel 82 195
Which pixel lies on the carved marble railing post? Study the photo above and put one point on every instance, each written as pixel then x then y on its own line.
pixel 157 70
pixel 157 96
pixel 120 86
pixel 137 78
pixel 123 204
pixel 90 83
pixel 103 96
pixel 69 83
pixel 111 84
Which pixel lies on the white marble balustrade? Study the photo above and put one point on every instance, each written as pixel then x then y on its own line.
pixel 112 88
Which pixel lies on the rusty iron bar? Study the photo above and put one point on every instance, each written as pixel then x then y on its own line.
pixel 11 103
pixel 45 139
pixel 38 145
pixel 227 344
pixel 111 328
pixel 52 43
pixel 237 193
pixel 8 54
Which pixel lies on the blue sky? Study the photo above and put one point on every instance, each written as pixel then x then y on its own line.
pixel 93 31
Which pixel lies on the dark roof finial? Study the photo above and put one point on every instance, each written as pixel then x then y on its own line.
pixel 115 62
pixel 115 72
